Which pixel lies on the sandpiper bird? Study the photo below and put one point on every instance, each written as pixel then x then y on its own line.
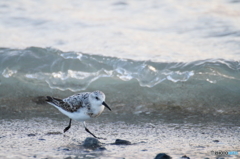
pixel 80 106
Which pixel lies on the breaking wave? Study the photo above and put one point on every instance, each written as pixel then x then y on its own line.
pixel 140 86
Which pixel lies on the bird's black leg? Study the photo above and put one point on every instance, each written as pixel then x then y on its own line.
pixel 68 127
pixel 91 132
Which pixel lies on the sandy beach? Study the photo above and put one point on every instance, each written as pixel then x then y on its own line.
pixel 42 137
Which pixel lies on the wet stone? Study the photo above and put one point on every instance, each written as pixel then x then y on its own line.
pixel 122 142
pixel 29 135
pixel 215 140
pixel 101 149
pixel 92 143
pixel 66 149
pixel 162 156
pixel 54 133
pixel 185 157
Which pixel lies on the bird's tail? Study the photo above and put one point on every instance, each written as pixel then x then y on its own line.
pixel 54 101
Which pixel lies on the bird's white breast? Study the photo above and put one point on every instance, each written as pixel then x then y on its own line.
pixel 97 110
pixel 80 115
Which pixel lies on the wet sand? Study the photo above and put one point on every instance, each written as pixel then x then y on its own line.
pixel 34 129
pixel 43 138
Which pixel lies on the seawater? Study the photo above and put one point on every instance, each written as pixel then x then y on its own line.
pixel 166 31
pixel 147 56
pixel 207 86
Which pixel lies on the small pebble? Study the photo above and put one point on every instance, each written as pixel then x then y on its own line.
pixel 91 143
pixel 66 149
pixel 54 133
pixel 122 142
pixel 185 157
pixel 101 148
pixel 162 156
pixel 215 140
pixel 31 135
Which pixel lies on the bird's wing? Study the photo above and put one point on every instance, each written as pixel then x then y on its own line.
pixel 77 101
pixel 65 105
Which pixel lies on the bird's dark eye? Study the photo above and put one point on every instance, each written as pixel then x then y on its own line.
pixel 97 98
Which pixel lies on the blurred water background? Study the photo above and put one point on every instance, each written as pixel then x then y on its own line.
pixel 148 56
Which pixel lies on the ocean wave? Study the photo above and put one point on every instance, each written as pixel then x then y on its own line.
pixel 211 84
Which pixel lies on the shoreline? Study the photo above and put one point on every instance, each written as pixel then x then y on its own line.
pixel 43 138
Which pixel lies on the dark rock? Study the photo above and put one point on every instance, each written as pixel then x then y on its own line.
pixel 42 139
pixel 215 140
pixel 162 156
pixel 91 143
pixel 31 135
pixel 101 149
pixel 185 157
pixel 66 149
pixel 54 133
pixel 122 142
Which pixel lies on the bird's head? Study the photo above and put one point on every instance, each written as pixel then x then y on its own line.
pixel 98 98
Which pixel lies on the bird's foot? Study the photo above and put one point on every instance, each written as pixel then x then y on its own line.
pixel 66 129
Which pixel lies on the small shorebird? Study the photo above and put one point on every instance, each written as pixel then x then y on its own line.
pixel 81 107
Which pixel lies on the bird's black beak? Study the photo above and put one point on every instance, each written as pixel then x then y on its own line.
pixel 106 106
